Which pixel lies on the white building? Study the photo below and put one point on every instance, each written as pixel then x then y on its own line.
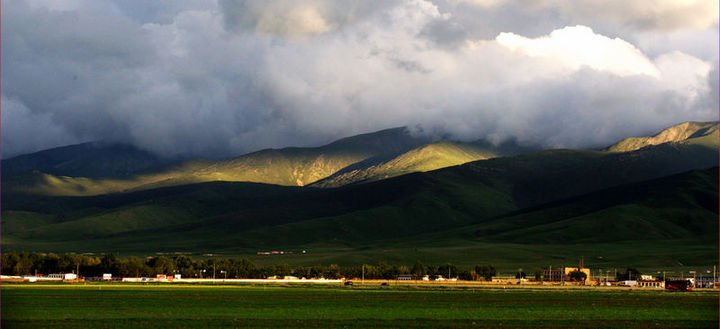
pixel 64 276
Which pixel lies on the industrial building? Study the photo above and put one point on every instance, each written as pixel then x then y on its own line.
pixel 562 274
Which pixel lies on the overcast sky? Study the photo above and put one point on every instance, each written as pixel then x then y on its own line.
pixel 222 78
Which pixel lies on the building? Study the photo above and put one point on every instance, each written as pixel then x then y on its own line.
pixel 63 276
pixel 706 281
pixel 562 274
pixel 651 283
pixel 412 277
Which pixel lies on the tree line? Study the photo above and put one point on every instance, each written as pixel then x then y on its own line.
pixel 31 263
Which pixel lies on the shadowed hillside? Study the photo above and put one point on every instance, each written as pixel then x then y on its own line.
pixel 93 160
pixel 253 216
pixel 679 206
pixel 529 204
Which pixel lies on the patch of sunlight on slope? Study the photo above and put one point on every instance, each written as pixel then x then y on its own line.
pixel 270 167
pixel 291 166
pixel 700 133
pixel 426 158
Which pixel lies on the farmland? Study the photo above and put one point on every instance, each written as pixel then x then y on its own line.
pixel 125 305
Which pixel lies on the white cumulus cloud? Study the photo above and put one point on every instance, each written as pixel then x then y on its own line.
pixel 227 78
pixel 578 46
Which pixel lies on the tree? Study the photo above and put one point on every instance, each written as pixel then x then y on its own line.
pixel 333 271
pixel 246 269
pixel 24 265
pixel 300 272
pixel 386 271
pixel 486 272
pixel 577 276
pixel 185 265
pixel 465 275
pixel 9 260
pixel 109 263
pixel 448 270
pixel 418 269
pixel 133 266
pixel 283 270
pixel 50 264
pixel 538 274
pixel 162 265
pixel 432 271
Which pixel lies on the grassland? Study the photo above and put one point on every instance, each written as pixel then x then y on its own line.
pixel 700 133
pixel 534 209
pixel 292 166
pixel 454 216
pixel 133 306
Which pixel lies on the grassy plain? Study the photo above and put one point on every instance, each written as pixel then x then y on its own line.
pixel 178 306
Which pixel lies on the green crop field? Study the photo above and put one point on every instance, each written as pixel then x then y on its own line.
pixel 135 306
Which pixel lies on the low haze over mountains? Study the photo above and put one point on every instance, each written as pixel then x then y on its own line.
pixel 387 190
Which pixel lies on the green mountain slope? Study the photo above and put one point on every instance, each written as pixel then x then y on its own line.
pixel 288 166
pixel 545 176
pixel 92 160
pixel 679 206
pixel 361 158
pixel 357 159
pixel 425 158
pixel 242 216
pixel 700 133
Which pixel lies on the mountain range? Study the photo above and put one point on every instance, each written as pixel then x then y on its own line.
pixel 387 195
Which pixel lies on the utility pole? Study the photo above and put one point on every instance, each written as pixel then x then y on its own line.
pixel 362 281
pixel 714 277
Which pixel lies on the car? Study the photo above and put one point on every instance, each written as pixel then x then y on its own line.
pixel 384 284
pixel 348 283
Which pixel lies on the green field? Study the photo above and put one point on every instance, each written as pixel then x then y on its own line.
pixel 134 306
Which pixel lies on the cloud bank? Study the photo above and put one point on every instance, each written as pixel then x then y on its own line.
pixel 223 78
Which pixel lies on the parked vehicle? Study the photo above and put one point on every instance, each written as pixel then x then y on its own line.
pixel 678 285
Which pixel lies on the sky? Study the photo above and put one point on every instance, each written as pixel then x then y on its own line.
pixel 222 78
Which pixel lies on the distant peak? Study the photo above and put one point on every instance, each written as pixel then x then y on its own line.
pixel 677 133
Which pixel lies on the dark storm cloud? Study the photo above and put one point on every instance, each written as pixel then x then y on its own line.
pixel 183 78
